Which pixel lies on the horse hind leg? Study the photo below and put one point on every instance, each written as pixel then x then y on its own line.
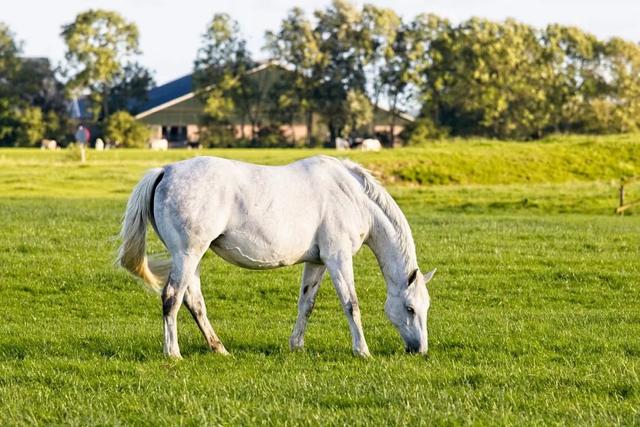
pixel 311 279
pixel 183 271
pixel 194 301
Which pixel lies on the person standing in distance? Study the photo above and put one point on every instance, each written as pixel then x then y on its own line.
pixel 82 139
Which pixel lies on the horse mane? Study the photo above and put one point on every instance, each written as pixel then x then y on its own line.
pixel 381 197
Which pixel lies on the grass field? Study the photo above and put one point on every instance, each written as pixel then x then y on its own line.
pixel 535 316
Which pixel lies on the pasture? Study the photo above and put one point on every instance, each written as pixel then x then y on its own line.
pixel 535 312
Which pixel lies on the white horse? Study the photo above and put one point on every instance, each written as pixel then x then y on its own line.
pixel 318 211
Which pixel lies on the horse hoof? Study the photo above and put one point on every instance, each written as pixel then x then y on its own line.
pixel 174 356
pixel 296 344
pixel 220 350
pixel 362 353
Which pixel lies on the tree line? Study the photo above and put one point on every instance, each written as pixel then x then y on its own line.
pixel 474 78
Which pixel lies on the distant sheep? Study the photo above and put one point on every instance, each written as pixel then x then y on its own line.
pixel 159 144
pixel 48 144
pixel 371 144
pixel 342 144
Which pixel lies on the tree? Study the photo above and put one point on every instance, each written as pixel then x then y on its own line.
pixel 287 104
pixel 295 46
pixel 130 88
pixel 398 77
pixel 8 122
pixel 99 43
pixel 30 96
pixel 380 29
pixel 125 130
pixel 484 78
pixel 223 63
pixel 9 60
pixel 9 64
pixel 622 79
pixel 360 112
pixel 573 82
pixel 31 127
pixel 36 85
pixel 217 129
pixel 343 58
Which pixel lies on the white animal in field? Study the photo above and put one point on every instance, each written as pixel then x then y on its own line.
pixel 48 144
pixel 99 144
pixel 342 144
pixel 317 211
pixel 371 144
pixel 159 144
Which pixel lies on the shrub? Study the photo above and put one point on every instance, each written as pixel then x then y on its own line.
pixel 31 127
pixel 123 129
pixel 269 137
pixel 423 130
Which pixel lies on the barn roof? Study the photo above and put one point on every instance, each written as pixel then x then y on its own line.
pixel 176 91
pixel 166 93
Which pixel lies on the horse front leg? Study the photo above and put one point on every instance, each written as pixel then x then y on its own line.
pixel 194 301
pixel 341 271
pixel 311 279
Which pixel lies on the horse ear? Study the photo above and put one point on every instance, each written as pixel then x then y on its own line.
pixel 412 277
pixel 429 275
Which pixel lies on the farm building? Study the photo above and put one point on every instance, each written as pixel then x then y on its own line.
pixel 174 112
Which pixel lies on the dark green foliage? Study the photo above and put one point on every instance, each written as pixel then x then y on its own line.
pixel 478 78
pixel 32 104
pixel 510 80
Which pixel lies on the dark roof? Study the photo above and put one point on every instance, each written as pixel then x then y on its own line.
pixel 182 86
pixel 168 92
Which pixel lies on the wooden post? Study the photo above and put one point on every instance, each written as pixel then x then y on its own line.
pixel 621 197
pixel 624 205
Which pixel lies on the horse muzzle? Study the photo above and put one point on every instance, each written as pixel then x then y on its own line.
pixel 416 347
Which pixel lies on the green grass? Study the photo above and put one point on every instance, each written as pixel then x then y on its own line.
pixel 535 317
pixel 474 162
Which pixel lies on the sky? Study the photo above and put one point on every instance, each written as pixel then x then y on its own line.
pixel 170 31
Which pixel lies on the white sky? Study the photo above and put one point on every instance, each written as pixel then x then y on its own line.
pixel 170 30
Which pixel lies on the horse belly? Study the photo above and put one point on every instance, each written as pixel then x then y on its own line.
pixel 257 251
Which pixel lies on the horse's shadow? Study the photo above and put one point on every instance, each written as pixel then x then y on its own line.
pixel 143 348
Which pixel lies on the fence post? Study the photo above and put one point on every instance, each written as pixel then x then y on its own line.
pixel 621 195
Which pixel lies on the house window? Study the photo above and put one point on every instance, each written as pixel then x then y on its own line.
pixel 174 133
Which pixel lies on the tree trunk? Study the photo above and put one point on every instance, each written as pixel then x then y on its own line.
pixel 254 127
pixel 105 105
pixel 392 129
pixel 293 131
pixel 309 127
pixel 372 125
pixel 332 133
pixel 392 125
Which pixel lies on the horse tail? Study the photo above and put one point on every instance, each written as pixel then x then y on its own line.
pixel 132 253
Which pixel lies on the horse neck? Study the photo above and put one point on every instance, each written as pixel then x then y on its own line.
pixel 395 262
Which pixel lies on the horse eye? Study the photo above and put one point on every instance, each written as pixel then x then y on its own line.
pixel 411 310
